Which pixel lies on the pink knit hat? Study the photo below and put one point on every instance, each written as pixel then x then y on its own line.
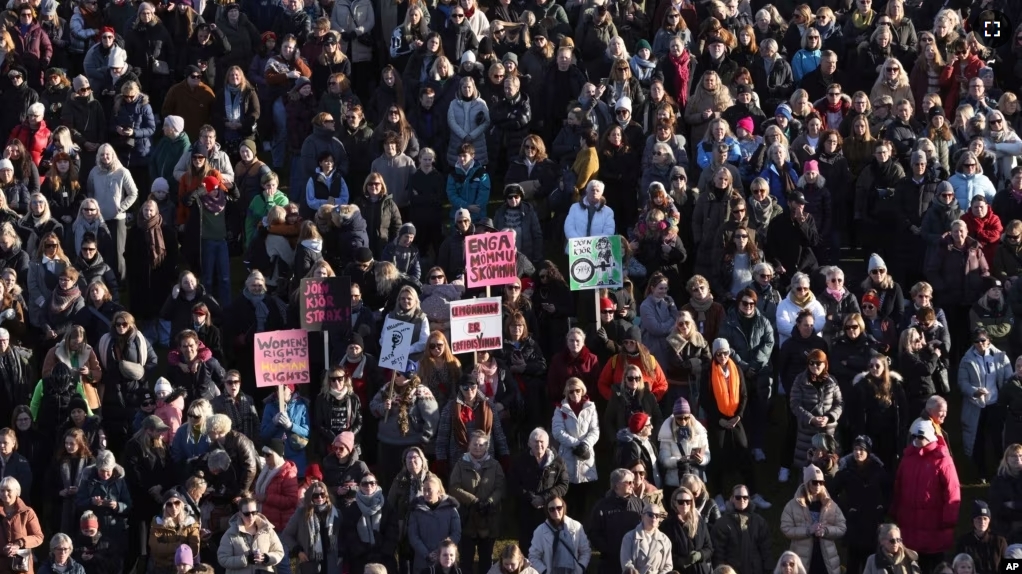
pixel 745 123
pixel 811 165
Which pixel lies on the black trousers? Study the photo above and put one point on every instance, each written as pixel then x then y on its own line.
pixel 988 445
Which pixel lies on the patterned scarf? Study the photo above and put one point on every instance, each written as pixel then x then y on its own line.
pixel 214 201
pixel 63 298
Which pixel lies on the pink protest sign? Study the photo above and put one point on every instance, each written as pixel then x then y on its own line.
pixel 281 358
pixel 490 259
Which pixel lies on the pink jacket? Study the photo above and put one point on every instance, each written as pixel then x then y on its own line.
pixel 171 411
pixel 927 498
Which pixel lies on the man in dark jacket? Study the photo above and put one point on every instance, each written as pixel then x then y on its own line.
pixel 16 378
pixel 612 517
pixel 16 99
pixel 985 547
pixel 293 20
pixel 817 82
pixel 238 446
pixel 715 58
pixel 355 135
pixel 741 538
pixel 451 256
pixel 510 120
pixel 93 268
pixel 457 36
pixel 521 217
pixel 791 239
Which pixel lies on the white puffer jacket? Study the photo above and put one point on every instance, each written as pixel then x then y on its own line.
pixel 569 431
pixel 672 452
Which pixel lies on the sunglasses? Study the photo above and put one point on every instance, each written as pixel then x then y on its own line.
pixel 816 363
pixel 894 540
pixel 683 501
pixel 652 515
pixel 469 387
pixel 852 327
pixel 633 379
pixel 816 482
pixel 556 508
pixel 743 235
pixel 437 277
pixel 748 303
pixel 740 496
pixel 172 503
pixel 878 271
pixel 834 94
pixel 436 345
pixel 982 340
pixel 196 76
pixel 248 512
pixel 232 382
pixel 336 379
pixel 318 495
pixel 968 165
pixel 867 306
pixel 678 178
pixel 367 483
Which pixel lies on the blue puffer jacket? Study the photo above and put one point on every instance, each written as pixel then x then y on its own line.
pixel 469 188
pixel 298 411
pixel 774 178
pixel 705 151
pixel 138 115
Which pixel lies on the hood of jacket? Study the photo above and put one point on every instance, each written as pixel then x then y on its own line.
pixel 446 501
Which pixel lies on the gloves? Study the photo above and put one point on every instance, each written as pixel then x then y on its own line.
pixel 582 451
pixel 349 35
pixel 7 315
pixel 695 556
pixel 283 420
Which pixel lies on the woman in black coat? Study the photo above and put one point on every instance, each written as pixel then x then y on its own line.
pixel 536 477
pixel 877 408
pixel 620 171
pixel 554 305
pixel 149 42
pixel 522 356
pixel 98 313
pixel 242 322
pixel 691 550
pixel 151 256
pixel 860 489
pixel 918 363
pixel 850 351
pixel 354 548
pixel 628 397
pixel 238 90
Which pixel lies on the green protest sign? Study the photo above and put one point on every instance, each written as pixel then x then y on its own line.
pixel 595 262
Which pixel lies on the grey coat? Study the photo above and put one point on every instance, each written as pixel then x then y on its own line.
pixel 427 528
pixel 807 401
pixel 541 551
pixel 970 380
pixel 658 319
pixel 469 121
pixel 656 559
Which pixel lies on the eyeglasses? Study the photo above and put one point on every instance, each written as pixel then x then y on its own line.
pixel 514 287
pixel 457 15
pixel 766 276
pixel 678 178
pixel 172 503
pixel 876 366
pixel 834 94
pixel 437 277
pixel 367 483
pixel 529 146
pixel 336 379
pixel 653 515
pixel 633 379
pixel 469 387
pixel 62 550
pixel 88 249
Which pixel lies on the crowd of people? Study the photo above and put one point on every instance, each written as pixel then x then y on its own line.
pixel 174 170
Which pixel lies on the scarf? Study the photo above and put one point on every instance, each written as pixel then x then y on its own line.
pixel 265 477
pixel 415 483
pixel 232 104
pixel 316 552
pixel 63 298
pixel 261 310
pixel 576 407
pixel 460 420
pixel 726 389
pixel 214 201
pixel 642 68
pixel 154 240
pixel 837 294
pixel 701 307
pixel 372 509
pixel 1016 194
pixel 486 378
pixel 81 227
pixel 803 301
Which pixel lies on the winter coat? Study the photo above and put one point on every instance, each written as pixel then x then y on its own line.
pixel 157 282
pixel 569 431
pixel 863 493
pixel 449 449
pixel 123 375
pixel 580 223
pixel 281 496
pixel 137 115
pixel 968 186
pixel 610 521
pixel 468 120
pixel 428 527
pixel 546 479
pixel 956 273
pixel 972 372
pixel 355 20
pixel 649 552
pixel 465 188
pixel 236 546
pixel 112 521
pixel 752 350
pixel 797 522
pixel 730 535
pixel 165 539
pixel 423 418
pixel 676 448
pixel 927 498
pixel 248 105
pixel 529 234
pixel 689 555
pixel 194 105
pixel 297 410
pixel 808 400
pixel 19 526
pixel 787 312
pixel 383 220
pixel 621 406
pixel 479 492
pixel 571 537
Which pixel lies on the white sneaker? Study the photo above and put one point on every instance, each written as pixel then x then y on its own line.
pixel 720 502
pixel 760 503
pixel 782 476
pixel 758 455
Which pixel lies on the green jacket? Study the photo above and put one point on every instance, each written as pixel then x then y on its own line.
pixel 258 209
pixel 164 157
pixel 37 399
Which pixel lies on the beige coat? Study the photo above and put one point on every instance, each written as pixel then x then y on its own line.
pixel 655 559
pixel 796 522
pixel 469 487
pixel 236 544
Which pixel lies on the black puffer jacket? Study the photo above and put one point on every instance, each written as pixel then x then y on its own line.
pixel 622 405
pixel 792 359
pixel 178 310
pixel 849 357
pixel 732 533
pixel 682 546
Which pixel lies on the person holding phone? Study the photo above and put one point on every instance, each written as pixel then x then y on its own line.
pixel 250 544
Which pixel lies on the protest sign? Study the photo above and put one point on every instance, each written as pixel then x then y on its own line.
pixel 325 304
pixel 595 262
pixel 282 358
pixel 490 259
pixel 476 325
pixel 395 343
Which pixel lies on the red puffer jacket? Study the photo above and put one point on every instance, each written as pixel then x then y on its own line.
pixel 927 498
pixel 281 497
pixel 35 141
pixel 987 230
pixel 563 366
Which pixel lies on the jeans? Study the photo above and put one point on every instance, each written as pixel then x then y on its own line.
pixel 157 332
pixel 216 265
pixel 279 149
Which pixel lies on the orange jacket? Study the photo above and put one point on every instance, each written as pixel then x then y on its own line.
pixel 186 186
pixel 613 371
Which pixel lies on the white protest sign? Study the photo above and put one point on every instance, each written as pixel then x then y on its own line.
pixel 476 325
pixel 395 342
